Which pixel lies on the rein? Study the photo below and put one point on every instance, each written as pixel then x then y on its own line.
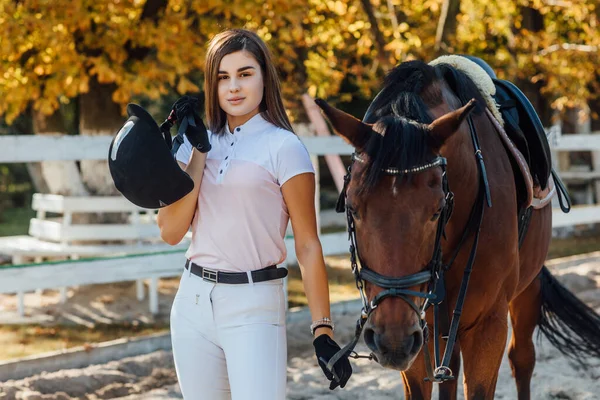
pixel 433 275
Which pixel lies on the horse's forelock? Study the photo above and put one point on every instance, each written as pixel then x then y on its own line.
pixel 401 144
pixel 402 108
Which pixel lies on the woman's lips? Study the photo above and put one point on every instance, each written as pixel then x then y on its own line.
pixel 236 100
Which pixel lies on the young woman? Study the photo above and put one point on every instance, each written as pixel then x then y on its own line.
pixel 228 317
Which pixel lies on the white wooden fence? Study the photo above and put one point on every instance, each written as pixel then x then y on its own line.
pixel 136 267
pixel 17 149
pixel 561 145
pixel 31 148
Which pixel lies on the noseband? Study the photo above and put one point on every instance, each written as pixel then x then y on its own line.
pixel 433 274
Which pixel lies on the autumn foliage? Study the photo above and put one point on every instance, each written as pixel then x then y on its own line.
pixel 50 50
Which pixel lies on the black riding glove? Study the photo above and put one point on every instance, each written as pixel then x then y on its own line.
pixel 186 112
pixel 325 348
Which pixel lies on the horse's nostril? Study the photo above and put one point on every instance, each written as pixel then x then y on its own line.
pixel 417 342
pixel 369 336
pixel 408 344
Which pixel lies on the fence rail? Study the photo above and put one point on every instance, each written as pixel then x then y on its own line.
pixel 34 148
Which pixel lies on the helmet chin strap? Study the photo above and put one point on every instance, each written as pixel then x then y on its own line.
pixel 176 142
pixel 165 129
pixel 178 139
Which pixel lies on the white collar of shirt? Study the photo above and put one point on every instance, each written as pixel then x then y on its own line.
pixel 255 124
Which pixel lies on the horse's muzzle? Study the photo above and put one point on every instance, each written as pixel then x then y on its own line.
pixel 394 350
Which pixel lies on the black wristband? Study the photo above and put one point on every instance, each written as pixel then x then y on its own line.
pixel 321 326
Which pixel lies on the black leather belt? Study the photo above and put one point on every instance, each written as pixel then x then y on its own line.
pixel 262 275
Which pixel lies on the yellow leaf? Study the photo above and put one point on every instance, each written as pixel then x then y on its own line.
pixel 186 86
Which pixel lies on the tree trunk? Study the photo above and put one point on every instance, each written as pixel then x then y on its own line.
pixel 594 103
pixel 533 21
pixel 36 174
pixel 61 177
pixel 446 28
pixel 379 39
pixel 595 114
pixel 98 115
pixel 23 125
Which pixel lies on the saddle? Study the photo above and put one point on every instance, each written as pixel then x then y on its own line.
pixel 522 134
pixel 520 122
pixel 524 128
pixel 518 118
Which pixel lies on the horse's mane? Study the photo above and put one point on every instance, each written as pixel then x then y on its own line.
pixel 401 109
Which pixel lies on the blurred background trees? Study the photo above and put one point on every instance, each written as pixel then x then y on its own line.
pixel 71 66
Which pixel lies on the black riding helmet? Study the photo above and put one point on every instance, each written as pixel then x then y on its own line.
pixel 142 165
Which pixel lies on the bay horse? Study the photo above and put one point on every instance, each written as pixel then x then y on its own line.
pixel 428 218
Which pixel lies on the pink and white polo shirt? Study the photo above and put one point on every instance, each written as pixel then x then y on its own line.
pixel 241 218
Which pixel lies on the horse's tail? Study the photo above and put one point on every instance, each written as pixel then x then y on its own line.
pixel 569 324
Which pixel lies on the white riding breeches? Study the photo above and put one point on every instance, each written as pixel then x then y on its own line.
pixel 229 341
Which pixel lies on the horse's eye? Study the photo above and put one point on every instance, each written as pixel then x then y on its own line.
pixel 437 214
pixel 353 211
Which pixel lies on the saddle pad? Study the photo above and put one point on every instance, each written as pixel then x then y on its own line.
pixel 518 157
pixel 479 77
pixel 541 198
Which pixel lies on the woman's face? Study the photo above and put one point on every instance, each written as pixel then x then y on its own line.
pixel 241 86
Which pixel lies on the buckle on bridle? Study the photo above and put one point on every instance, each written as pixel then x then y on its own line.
pixel 209 275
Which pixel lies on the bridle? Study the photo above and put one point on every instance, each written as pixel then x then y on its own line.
pixel 433 274
pixel 398 287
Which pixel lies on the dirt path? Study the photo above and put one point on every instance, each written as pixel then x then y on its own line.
pixel 152 376
pixel 554 378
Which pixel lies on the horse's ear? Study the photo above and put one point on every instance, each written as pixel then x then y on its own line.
pixel 445 126
pixel 356 132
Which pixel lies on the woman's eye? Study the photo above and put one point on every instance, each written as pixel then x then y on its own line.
pixel 243 75
pixel 223 77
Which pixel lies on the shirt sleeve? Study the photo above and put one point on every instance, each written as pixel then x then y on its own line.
pixel 184 152
pixel 292 159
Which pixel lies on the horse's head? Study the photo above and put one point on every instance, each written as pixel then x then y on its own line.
pixel 395 196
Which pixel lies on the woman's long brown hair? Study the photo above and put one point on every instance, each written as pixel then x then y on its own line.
pixel 230 41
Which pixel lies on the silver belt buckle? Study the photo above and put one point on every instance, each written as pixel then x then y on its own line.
pixel 209 275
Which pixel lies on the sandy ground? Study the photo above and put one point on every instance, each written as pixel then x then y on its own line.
pixel 152 376
pixel 90 305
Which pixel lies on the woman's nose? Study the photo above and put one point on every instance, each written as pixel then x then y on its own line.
pixel 234 85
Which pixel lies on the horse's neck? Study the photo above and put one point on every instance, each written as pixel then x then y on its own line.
pixel 463 179
pixel 463 173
